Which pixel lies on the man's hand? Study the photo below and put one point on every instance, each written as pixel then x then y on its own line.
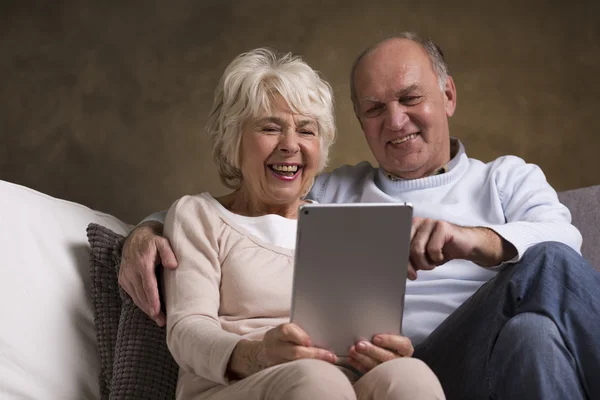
pixel 434 242
pixel 143 250
pixel 284 343
pixel 364 356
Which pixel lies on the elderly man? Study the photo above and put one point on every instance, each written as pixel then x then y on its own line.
pixel 500 303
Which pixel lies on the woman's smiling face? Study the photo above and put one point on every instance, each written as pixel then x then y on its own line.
pixel 280 154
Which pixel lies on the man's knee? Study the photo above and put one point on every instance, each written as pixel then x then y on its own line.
pixel 531 332
pixel 402 378
pixel 553 259
pixel 314 379
pixel 530 358
pixel 553 250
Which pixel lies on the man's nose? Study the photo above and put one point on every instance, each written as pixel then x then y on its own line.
pixel 396 117
pixel 289 142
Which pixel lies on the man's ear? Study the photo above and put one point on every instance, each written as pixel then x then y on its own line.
pixel 450 97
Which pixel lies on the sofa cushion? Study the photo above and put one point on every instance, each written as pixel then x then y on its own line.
pixel 584 204
pixel 136 362
pixel 106 301
pixel 48 338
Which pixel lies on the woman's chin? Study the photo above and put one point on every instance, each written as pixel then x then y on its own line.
pixel 289 195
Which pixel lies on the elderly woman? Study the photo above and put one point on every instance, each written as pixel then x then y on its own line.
pixel 228 302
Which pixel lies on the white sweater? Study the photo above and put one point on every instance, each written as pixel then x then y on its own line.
pixel 507 195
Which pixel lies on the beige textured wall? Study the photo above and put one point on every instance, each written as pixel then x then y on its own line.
pixel 103 102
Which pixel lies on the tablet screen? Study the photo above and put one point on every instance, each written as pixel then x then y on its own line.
pixel 350 272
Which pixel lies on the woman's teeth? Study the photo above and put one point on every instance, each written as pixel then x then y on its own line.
pixel 404 139
pixel 285 170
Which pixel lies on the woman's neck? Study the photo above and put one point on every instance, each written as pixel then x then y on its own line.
pixel 242 203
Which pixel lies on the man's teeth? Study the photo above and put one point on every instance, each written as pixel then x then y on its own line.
pixel 405 138
pixel 285 168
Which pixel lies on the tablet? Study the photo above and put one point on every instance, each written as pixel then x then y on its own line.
pixel 350 272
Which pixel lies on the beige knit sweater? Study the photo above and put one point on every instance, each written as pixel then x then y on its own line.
pixel 228 285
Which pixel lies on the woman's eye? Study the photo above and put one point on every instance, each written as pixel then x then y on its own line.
pixel 311 133
pixel 270 129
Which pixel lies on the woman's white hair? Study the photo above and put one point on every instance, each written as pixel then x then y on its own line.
pixel 247 89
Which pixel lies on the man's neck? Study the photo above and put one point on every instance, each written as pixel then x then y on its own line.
pixel 441 169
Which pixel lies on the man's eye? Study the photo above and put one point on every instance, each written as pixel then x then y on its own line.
pixel 374 110
pixel 410 100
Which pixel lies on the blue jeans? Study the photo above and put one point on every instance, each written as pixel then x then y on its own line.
pixel 531 332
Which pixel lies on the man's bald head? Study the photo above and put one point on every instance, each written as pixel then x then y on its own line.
pixel 432 50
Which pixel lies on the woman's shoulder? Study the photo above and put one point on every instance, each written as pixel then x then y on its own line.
pixel 199 207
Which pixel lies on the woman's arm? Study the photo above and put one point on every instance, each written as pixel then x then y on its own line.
pixel 192 297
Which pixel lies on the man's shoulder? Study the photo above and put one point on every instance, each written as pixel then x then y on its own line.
pixel 503 165
pixel 353 172
pixel 347 180
pixel 508 173
pixel 512 167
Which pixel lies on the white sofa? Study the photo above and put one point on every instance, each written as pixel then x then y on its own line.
pixel 48 337
pixel 47 333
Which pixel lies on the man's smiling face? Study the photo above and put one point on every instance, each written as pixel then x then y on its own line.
pixel 402 109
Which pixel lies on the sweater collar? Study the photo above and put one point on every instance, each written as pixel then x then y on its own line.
pixel 443 175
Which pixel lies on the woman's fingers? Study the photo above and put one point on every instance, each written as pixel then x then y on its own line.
pixel 289 342
pixel 294 334
pixel 368 356
pixel 301 352
pixel 400 345
pixel 365 356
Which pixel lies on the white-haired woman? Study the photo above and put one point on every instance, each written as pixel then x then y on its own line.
pixel 228 302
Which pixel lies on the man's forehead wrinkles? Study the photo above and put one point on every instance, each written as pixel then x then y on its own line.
pixel 395 94
pixel 377 84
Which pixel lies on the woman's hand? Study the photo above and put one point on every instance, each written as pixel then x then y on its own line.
pixel 364 356
pixel 286 342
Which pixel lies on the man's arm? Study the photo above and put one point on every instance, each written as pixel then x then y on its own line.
pixel 435 242
pixel 144 249
pixel 158 216
pixel 533 215
pixel 531 207
pixel 489 249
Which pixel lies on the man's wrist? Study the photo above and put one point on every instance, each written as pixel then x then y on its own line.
pixel 155 226
pixel 490 249
pixel 152 227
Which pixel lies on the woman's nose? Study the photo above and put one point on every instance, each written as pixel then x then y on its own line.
pixel 289 143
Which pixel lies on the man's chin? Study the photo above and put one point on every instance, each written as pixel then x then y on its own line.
pixel 407 170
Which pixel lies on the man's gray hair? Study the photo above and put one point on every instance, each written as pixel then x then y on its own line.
pixel 248 88
pixel 433 52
